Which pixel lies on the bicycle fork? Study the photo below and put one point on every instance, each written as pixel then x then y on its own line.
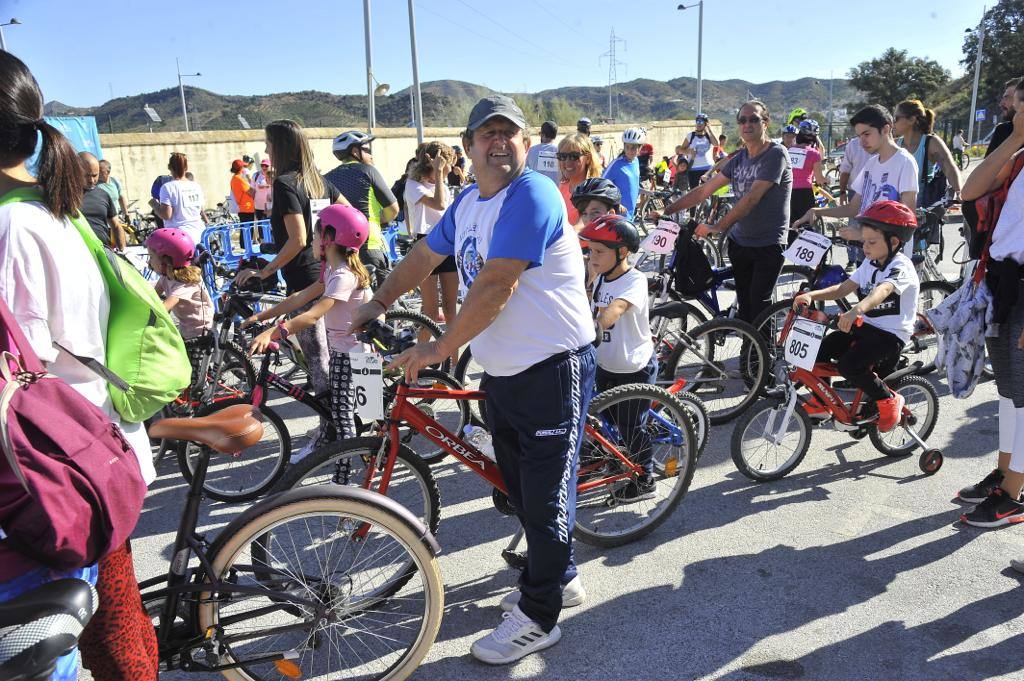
pixel 776 434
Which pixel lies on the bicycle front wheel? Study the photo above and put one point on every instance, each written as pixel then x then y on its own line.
pixel 660 438
pixel 315 563
pixel 763 447
pixel 247 474
pixel 725 363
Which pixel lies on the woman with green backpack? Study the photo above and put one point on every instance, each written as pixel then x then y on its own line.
pixel 62 305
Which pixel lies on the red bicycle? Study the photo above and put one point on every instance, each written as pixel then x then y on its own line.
pixel 609 457
pixel 773 437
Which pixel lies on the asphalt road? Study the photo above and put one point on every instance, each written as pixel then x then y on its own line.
pixel 853 567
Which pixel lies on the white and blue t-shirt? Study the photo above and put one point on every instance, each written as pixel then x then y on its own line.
pixel 625 175
pixel 548 312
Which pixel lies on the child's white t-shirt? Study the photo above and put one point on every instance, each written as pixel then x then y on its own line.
pixel 626 346
pixel 898 312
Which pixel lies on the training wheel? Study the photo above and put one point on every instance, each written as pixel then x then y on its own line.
pixel 930 461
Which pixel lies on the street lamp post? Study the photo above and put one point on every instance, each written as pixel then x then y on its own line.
pixel 977 75
pixel 181 90
pixel 700 50
pixel 3 43
pixel 415 75
pixel 371 105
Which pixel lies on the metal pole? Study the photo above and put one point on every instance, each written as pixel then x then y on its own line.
pixel 371 112
pixel 831 83
pixel 415 74
pixel 3 43
pixel 977 75
pixel 700 53
pixel 181 91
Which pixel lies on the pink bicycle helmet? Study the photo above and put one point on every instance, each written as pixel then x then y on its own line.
pixel 174 243
pixel 351 228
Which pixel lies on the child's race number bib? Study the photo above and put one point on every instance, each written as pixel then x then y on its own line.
pixel 368 382
pixel 662 239
pixel 808 249
pixel 803 342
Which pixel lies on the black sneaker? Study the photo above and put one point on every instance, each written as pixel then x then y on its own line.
pixel 637 489
pixel 998 509
pixel 975 494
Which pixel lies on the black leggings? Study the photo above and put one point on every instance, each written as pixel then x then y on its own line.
pixel 859 352
pixel 756 270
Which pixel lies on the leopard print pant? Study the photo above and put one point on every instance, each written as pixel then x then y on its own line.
pixel 119 644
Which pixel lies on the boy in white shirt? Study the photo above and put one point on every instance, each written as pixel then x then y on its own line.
pixel 890 173
pixel 625 351
pixel 888 284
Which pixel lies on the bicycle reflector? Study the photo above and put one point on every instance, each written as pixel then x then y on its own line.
pixel 288 668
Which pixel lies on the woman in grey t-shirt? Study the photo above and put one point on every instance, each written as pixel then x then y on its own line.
pixel 762 181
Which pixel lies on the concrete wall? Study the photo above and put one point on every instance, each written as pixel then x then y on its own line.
pixel 138 158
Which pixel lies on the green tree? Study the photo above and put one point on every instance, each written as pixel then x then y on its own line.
pixel 895 76
pixel 1004 42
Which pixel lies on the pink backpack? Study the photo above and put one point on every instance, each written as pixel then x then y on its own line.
pixel 70 486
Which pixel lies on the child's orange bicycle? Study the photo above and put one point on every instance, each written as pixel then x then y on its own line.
pixel 773 436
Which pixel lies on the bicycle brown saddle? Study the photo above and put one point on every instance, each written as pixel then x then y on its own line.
pixel 229 430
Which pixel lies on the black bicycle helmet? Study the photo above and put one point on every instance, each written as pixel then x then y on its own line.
pixel 596 188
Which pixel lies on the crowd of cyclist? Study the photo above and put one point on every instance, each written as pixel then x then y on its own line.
pixel 544 231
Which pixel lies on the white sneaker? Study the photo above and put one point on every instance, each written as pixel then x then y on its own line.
pixel 516 637
pixel 573 594
pixel 307 449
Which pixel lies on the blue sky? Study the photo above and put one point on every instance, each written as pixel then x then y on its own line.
pixel 80 52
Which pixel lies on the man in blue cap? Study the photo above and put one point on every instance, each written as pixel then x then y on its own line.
pixel 527 319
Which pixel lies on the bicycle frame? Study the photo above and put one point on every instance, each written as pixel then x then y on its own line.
pixel 403 411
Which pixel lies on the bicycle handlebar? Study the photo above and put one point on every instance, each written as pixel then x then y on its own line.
pixel 832 320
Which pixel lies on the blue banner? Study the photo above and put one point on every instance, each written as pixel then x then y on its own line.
pixel 81 131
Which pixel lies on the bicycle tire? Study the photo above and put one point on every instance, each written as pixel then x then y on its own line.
pixel 233 481
pixel 698 418
pixel 711 251
pixel 710 369
pixel 333 581
pixel 760 418
pixel 884 442
pixel 600 528
pixel 792 280
pixel 394 317
pixel 320 468
pixel 237 361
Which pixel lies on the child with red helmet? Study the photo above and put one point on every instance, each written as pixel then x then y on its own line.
pixel 181 286
pixel 625 353
pixel 887 284
pixel 344 285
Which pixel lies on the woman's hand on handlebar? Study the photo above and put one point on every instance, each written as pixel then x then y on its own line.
pixel 802 300
pixel 245 275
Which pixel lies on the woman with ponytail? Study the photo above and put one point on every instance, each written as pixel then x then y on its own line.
pixel 915 123
pixel 57 297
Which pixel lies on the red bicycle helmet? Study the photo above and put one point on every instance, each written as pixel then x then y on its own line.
pixel 890 217
pixel 613 231
pixel 351 228
pixel 172 243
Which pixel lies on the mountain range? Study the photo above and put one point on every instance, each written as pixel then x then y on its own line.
pixel 446 103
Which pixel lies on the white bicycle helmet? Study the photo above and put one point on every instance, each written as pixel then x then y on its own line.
pixel 634 136
pixel 352 138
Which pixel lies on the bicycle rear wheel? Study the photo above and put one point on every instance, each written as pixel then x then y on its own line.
pixel 248 474
pixel 344 463
pixel 337 621
pixel 725 363
pixel 603 518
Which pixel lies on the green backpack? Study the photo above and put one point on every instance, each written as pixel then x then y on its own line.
pixel 147 366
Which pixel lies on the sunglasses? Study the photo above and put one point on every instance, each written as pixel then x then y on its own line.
pixel 743 120
pixel 570 156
